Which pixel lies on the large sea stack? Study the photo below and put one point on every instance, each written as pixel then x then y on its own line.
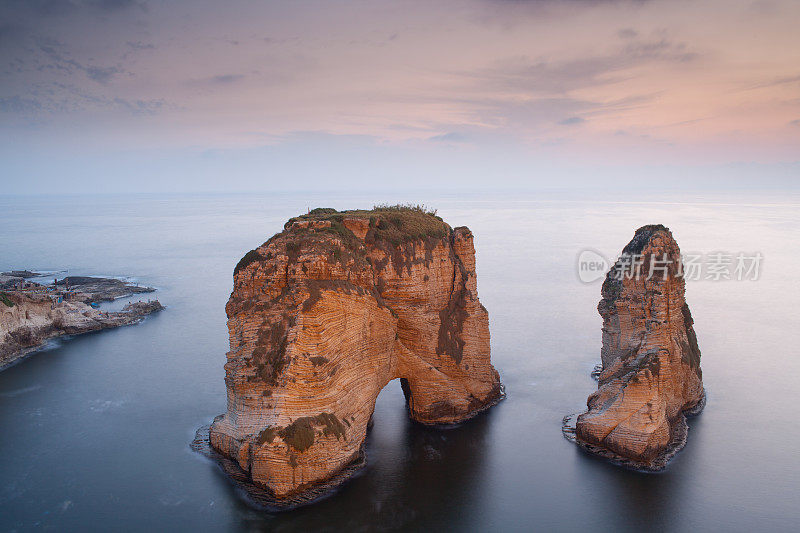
pixel 323 315
pixel 651 374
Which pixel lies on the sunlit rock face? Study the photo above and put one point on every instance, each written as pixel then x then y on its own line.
pixel 323 315
pixel 651 361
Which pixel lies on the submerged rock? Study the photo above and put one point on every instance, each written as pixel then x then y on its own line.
pixel 650 377
pixel 93 289
pixel 323 315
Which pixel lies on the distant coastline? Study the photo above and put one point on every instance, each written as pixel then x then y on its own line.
pixel 32 313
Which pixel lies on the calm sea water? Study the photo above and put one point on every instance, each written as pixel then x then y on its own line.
pixel 96 430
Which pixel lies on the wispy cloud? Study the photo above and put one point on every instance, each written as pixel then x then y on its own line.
pixel 52 100
pixel 226 78
pixel 19 104
pixel 449 75
pixel 102 74
pixel 139 45
pixel 451 136
pixel 60 60
pixel 61 8
pixel 541 75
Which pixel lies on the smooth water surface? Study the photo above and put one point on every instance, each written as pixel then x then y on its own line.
pixel 96 429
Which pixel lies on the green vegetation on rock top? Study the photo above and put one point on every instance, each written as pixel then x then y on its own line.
pixel 389 226
pixel 250 257
pixel 6 300
pixel 395 224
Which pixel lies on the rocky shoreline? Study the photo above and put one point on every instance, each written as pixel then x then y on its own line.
pixel 678 438
pixel 262 498
pixel 493 399
pixel 32 313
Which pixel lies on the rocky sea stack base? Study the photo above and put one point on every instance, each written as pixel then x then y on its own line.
pixel 650 378
pixel 323 315
pixel 679 437
pixel 262 498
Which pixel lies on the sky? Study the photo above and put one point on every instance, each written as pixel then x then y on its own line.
pixel 200 96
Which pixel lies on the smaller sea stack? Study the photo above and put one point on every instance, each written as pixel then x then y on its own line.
pixel 651 377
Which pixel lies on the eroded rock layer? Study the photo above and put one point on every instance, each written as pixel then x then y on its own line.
pixel 651 371
pixel 323 315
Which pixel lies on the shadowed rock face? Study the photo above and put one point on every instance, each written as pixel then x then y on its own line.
pixel 651 362
pixel 325 314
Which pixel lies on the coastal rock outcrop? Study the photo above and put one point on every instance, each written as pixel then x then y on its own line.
pixel 651 375
pixel 32 314
pixel 323 315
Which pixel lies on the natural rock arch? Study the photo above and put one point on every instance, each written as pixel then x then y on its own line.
pixel 324 315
